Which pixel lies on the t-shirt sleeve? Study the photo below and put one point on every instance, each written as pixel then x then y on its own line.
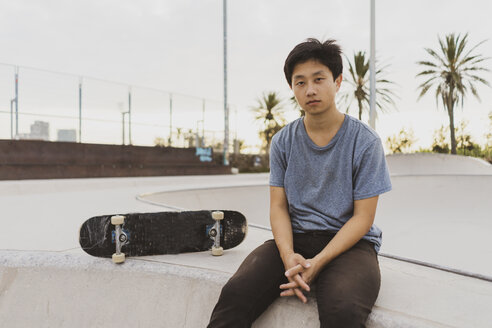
pixel 278 164
pixel 371 176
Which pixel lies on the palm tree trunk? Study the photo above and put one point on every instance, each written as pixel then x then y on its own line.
pixel 450 106
pixel 360 109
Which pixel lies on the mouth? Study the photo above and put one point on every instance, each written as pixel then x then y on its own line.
pixel 313 102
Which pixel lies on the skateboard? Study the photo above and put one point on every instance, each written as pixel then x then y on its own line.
pixel 142 234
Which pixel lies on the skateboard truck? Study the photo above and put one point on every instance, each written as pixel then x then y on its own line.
pixel 214 233
pixel 120 238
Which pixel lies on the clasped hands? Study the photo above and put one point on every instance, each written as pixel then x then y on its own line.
pixel 300 273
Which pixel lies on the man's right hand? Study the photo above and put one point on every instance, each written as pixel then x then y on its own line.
pixel 290 261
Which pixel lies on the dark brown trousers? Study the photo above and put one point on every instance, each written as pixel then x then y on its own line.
pixel 346 289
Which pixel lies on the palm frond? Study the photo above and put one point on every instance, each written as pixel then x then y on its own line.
pixel 427 72
pixel 358 67
pixel 427 63
pixel 436 56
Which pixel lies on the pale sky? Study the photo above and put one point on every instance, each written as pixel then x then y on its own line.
pixel 176 46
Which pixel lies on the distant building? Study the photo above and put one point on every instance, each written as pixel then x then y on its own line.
pixel 67 135
pixel 40 131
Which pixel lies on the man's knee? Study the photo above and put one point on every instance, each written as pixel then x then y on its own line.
pixel 234 290
pixel 343 314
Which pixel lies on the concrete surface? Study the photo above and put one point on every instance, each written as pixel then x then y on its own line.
pixel 49 289
pixel 47 281
pixel 442 219
pixel 436 164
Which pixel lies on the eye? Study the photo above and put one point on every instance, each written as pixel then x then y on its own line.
pixel 319 79
pixel 299 83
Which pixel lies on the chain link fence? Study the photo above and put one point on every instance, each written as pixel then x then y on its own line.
pixel 45 105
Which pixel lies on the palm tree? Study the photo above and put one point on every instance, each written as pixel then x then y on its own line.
pixel 453 72
pixel 294 102
pixel 269 113
pixel 359 82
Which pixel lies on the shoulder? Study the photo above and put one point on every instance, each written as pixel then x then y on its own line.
pixel 361 129
pixel 287 133
pixel 362 134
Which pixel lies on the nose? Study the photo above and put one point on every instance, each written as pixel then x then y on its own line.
pixel 310 90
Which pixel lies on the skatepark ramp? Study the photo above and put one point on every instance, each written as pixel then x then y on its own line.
pixel 436 164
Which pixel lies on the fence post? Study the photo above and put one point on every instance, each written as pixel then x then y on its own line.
pixel 80 109
pixel 17 101
pixel 130 115
pixel 170 140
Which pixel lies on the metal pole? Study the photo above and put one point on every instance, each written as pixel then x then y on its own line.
pixel 170 119
pixel 12 118
pixel 80 109
pixel 236 143
pixel 226 107
pixel 123 126
pixel 17 101
pixel 203 124
pixel 130 115
pixel 372 67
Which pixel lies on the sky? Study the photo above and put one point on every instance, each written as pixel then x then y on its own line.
pixel 177 46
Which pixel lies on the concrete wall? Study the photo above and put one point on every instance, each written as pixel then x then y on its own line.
pixel 33 159
pixel 46 289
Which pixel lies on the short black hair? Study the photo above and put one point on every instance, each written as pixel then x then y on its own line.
pixel 327 53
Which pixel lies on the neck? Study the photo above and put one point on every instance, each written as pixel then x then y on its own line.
pixel 326 122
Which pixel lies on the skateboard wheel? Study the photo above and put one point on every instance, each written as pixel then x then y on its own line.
pixel 217 251
pixel 117 219
pixel 218 215
pixel 119 258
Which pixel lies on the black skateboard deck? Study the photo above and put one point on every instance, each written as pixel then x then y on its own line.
pixel 142 234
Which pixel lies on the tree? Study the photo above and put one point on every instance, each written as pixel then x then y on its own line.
pixel 269 113
pixel 294 102
pixel 463 139
pixel 439 144
pixel 488 135
pixel 401 142
pixel 160 142
pixel 358 80
pixel 453 72
pixel 488 143
pixel 464 142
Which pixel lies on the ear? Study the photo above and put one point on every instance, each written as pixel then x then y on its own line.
pixel 338 81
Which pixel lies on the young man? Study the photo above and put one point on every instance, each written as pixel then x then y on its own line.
pixel 327 171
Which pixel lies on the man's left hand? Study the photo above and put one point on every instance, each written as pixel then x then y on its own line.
pixel 308 275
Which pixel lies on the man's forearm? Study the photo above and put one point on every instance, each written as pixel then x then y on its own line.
pixel 282 231
pixel 351 232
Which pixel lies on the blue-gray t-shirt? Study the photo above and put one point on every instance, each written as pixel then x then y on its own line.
pixel 321 183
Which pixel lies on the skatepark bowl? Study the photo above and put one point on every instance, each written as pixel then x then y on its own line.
pixel 435 258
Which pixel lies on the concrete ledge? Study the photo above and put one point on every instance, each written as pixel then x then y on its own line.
pixel 49 289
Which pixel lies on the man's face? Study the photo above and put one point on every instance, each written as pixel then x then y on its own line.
pixel 314 88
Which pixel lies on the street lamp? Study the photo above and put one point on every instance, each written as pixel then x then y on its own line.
pixel 226 107
pixel 372 68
